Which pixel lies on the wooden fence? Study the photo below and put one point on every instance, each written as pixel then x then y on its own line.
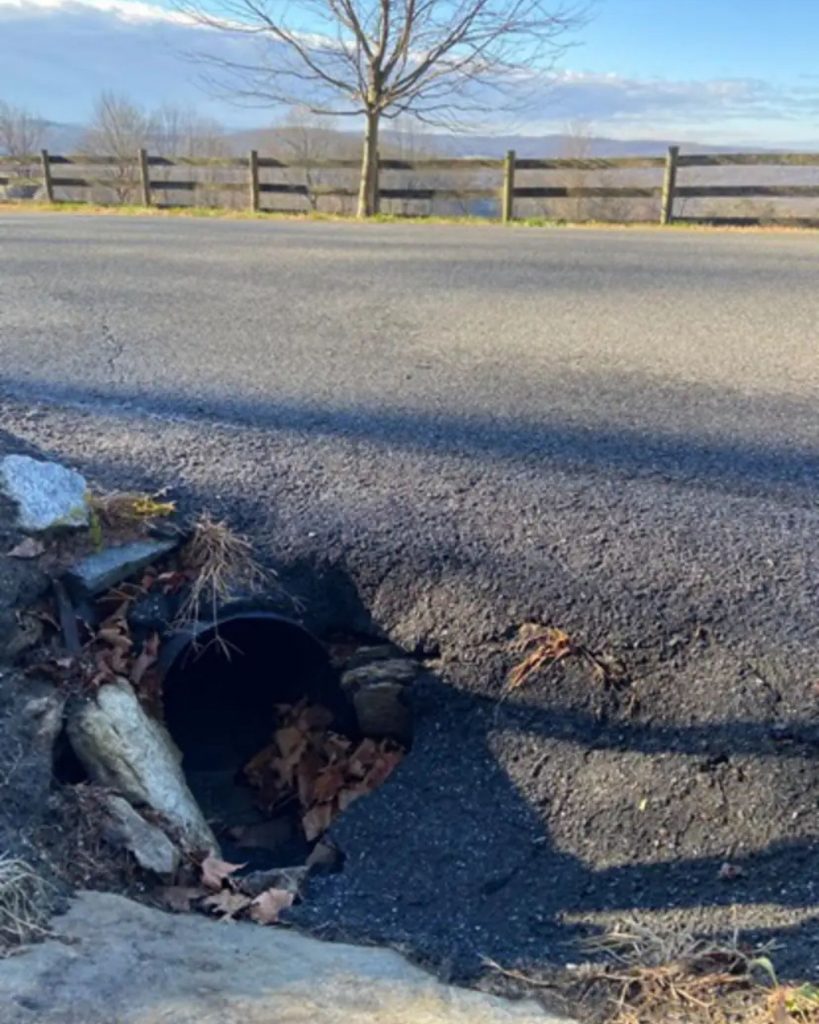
pixel 499 180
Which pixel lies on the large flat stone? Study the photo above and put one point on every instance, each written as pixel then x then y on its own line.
pixel 46 495
pixel 114 960
pixel 105 569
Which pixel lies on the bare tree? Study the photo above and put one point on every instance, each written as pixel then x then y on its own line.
pixel 308 141
pixel 119 129
pixel 180 132
pixel 21 137
pixel 436 59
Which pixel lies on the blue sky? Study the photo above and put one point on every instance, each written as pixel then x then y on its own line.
pixel 768 39
pixel 716 71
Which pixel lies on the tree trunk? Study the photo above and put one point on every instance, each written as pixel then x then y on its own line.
pixel 368 186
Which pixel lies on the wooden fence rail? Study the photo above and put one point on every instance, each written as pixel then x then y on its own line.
pixel 137 174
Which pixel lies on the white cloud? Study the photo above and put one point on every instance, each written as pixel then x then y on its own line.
pixel 57 55
pixel 126 10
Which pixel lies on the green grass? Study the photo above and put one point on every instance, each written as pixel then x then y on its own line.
pixel 221 213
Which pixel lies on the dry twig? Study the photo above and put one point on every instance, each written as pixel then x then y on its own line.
pixel 544 646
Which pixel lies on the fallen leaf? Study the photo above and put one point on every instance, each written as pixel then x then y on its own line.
pixel 548 645
pixel 265 909
pixel 317 820
pixel 324 856
pixel 215 871
pixel 145 659
pixel 328 784
pixel 384 765
pixel 227 904
pixel 114 636
pixel 29 547
pixel 351 794
pixel 362 758
pixel 291 742
pixel 180 897
pixel 258 765
pixel 307 775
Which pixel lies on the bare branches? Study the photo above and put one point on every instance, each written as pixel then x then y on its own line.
pixel 351 56
pixel 21 136
pixel 433 59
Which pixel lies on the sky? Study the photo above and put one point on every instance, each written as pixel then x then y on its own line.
pixel 742 72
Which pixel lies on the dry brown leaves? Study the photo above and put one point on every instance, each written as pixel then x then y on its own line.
pixel 219 894
pixel 215 871
pixel 109 653
pixel 265 908
pixel 542 646
pixel 323 771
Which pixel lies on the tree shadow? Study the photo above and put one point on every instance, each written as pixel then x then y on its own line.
pixel 671 448
pixel 480 845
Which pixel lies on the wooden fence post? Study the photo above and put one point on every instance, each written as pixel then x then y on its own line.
pixel 48 185
pixel 669 184
pixel 508 195
pixel 253 169
pixel 145 177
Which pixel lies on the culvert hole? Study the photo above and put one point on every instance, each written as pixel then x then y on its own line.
pixel 278 738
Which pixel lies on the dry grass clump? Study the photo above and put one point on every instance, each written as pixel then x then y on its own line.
pixel 24 903
pixel 677 976
pixel 221 564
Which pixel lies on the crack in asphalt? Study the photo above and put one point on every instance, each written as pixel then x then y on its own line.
pixel 115 349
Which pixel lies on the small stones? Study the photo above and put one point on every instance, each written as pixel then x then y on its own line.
pixel 47 496
pixel 105 569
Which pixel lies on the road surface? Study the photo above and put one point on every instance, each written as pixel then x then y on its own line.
pixel 458 429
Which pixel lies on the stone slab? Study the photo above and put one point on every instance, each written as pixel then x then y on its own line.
pixel 115 960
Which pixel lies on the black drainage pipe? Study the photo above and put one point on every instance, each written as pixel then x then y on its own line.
pixel 222 681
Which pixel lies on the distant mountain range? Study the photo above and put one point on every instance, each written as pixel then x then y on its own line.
pixel 68 137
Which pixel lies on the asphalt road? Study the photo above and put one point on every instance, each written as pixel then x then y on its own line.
pixel 459 429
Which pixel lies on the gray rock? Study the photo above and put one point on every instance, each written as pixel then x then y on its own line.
pixel 390 670
pixel 122 748
pixel 149 845
pixel 47 496
pixel 290 879
pixel 44 713
pixel 379 692
pixel 382 711
pixel 103 570
pixel 366 655
pixel 192 971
